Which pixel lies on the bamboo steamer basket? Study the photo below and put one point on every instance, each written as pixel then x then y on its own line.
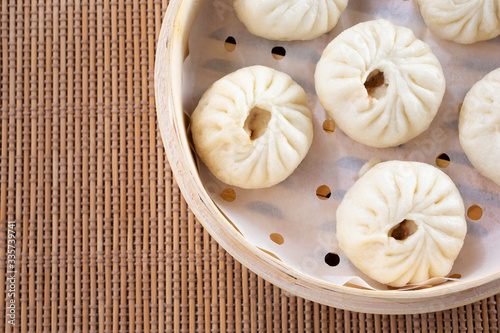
pixel 172 50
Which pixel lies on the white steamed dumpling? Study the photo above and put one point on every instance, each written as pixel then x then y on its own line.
pixel 402 223
pixel 479 130
pixel 379 83
pixel 462 21
pixel 253 127
pixel 289 19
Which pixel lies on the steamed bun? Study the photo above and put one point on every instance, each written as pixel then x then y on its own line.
pixel 478 126
pixel 289 19
pixel 402 222
pixel 380 84
pixel 462 21
pixel 253 127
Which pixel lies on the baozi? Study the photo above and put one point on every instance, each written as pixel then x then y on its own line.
pixel 402 223
pixel 380 84
pixel 478 128
pixel 253 127
pixel 289 19
pixel 463 22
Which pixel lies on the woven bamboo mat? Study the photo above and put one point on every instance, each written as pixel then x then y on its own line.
pixel 91 221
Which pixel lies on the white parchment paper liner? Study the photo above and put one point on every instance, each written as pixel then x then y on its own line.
pixel 291 208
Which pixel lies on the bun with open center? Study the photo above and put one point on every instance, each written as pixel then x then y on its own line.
pixel 380 84
pixel 253 127
pixel 402 223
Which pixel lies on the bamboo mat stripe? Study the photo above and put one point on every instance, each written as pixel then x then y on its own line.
pixel 92 222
